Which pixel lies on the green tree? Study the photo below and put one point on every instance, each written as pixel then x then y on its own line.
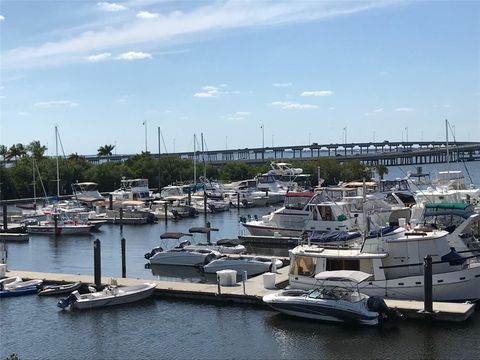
pixel 3 152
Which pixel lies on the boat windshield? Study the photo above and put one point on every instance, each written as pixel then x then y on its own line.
pixel 334 293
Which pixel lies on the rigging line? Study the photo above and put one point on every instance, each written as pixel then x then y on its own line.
pixel 164 145
pixel 41 182
pixel 463 161
pixel 61 144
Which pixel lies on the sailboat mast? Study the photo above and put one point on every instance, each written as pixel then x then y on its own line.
pixel 34 184
pixel 203 160
pixel 56 153
pixel 194 159
pixel 446 132
pixel 159 152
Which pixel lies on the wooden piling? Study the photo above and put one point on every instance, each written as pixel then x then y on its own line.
pixel 124 262
pixel 121 220
pixel 5 218
pixel 97 264
pixel 427 281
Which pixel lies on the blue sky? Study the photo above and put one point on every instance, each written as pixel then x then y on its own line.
pixel 304 69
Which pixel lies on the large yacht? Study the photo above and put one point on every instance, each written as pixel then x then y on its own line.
pixel 396 264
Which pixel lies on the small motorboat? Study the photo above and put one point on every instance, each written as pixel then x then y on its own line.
pixel 59 289
pixel 16 287
pixel 333 303
pixel 252 264
pixel 111 295
pixel 225 246
pixel 180 255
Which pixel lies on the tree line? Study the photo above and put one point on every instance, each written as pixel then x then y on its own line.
pixel 17 177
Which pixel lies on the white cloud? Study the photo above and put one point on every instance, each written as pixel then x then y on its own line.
pixel 208 92
pixel 236 116
pixel 2 18
pixel 147 15
pixel 291 105
pixel 98 57
pixel 379 110
pixel 133 55
pixel 110 7
pixel 405 109
pixel 317 93
pixel 282 84
pixel 55 104
pixel 204 18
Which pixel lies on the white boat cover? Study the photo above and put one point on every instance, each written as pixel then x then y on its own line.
pixel 343 275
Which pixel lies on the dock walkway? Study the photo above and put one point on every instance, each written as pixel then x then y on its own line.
pixel 252 293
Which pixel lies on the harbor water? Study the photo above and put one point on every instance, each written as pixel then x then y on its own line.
pixel 34 328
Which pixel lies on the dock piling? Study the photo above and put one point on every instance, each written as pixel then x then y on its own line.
pixel 5 218
pixel 428 290
pixel 165 209
pixel 208 233
pixel 124 262
pixel 189 196
pixel 244 279
pixel 205 202
pixel 55 222
pixel 110 202
pixel 219 288
pixel 97 264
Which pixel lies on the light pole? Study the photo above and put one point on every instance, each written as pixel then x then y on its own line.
pixel 406 133
pixel 263 141
pixel 174 145
pixel 345 135
pixel 145 124
pixel 273 142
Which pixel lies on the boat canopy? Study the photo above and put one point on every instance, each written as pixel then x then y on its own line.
pixel 201 230
pixel 173 235
pixel 343 275
pixel 459 206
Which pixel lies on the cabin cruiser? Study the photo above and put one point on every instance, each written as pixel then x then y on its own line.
pixel 342 302
pixel 133 189
pixel 396 264
pixel 133 212
pixel 87 193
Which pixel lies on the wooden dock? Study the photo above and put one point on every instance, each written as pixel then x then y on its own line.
pixel 251 292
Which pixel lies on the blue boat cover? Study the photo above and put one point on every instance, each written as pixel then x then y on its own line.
pixel 333 236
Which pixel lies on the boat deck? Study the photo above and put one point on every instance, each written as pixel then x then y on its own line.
pixel 251 292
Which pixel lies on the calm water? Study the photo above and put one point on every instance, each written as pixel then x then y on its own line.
pixel 34 328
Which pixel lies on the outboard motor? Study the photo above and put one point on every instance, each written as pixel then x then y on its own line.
pixel 64 303
pixel 153 252
pixel 376 303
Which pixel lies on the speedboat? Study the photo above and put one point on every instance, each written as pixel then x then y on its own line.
pixel 111 295
pixel 252 264
pixel 344 303
pixel 179 255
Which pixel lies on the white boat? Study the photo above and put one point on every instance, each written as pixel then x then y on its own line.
pixel 252 264
pixel 179 255
pixel 87 193
pixel 133 189
pixel 111 295
pixel 9 281
pixel 68 227
pixel 396 264
pixel 18 285
pixel 334 303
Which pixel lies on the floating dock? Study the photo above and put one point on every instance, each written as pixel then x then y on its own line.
pixel 251 292
pixel 14 237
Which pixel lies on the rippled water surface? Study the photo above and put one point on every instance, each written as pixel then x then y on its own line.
pixel 34 328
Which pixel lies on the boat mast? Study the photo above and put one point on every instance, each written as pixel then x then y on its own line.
pixel 159 152
pixel 446 133
pixel 194 159
pixel 34 187
pixel 203 160
pixel 56 153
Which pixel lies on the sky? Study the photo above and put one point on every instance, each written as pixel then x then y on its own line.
pixel 243 73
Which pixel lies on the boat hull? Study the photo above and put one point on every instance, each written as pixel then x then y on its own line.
pixel 123 295
pixel 59 289
pixel 61 230
pixel 18 292
pixel 180 258
pixel 452 286
pixel 323 310
pixel 251 266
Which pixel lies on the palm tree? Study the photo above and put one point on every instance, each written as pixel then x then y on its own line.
pixel 36 149
pixel 381 170
pixel 105 150
pixel 3 152
pixel 16 151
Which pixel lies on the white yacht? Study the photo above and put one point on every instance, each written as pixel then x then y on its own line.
pixel 396 264
pixel 133 189
pixel 87 193
pixel 252 264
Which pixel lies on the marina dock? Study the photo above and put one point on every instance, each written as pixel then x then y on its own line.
pixel 251 292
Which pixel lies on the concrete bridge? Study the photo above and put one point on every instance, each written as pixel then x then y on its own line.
pixel 372 153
